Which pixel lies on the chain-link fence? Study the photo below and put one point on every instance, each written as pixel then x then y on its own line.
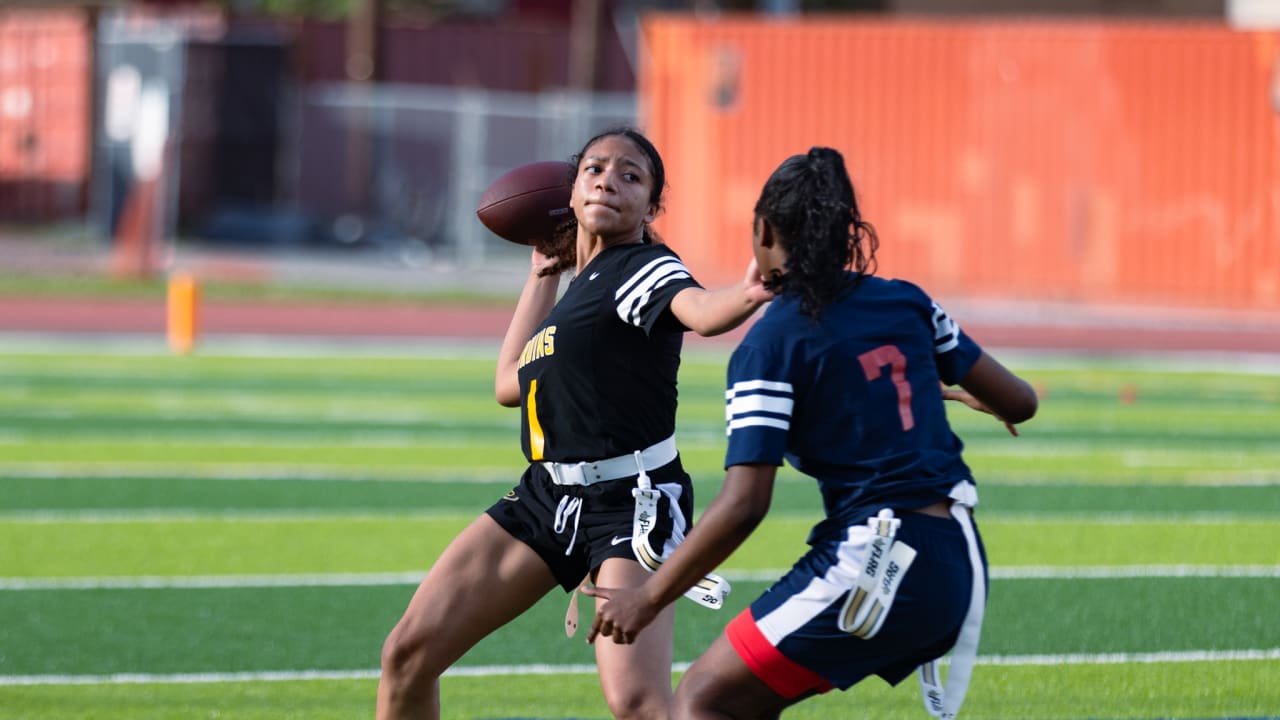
pixel 402 168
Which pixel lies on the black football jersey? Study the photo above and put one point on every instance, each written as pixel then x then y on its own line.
pixel 598 378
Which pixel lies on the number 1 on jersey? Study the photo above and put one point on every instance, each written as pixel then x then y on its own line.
pixel 537 441
pixel 873 363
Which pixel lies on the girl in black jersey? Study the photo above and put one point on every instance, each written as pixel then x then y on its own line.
pixel 594 374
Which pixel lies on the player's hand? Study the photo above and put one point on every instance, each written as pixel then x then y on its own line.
pixel 540 264
pixel 622 616
pixel 965 397
pixel 753 284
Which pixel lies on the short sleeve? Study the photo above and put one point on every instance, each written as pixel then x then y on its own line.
pixel 954 351
pixel 646 292
pixel 758 408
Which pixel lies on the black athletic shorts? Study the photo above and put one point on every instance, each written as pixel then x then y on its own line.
pixel 575 528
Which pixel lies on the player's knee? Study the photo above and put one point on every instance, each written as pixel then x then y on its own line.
pixel 682 707
pixel 698 695
pixel 687 702
pixel 638 703
pixel 396 655
pixel 405 658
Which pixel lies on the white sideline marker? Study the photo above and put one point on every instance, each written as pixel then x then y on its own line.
pixel 499 670
pixel 413 577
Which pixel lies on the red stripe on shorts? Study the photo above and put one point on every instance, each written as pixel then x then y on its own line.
pixel 774 669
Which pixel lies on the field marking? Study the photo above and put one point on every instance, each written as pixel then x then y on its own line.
pixel 703 351
pixel 1198 362
pixel 250 345
pixel 413 577
pixel 218 470
pixel 181 514
pixel 39 470
pixel 499 670
pixel 1197 517
pixel 172 515
pixel 1087 572
pixel 193 582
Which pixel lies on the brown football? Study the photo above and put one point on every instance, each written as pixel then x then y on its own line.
pixel 527 203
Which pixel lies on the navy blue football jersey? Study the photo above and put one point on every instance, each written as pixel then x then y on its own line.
pixel 853 399
pixel 598 378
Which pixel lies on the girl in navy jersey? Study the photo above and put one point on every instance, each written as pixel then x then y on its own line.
pixel 843 377
pixel 594 374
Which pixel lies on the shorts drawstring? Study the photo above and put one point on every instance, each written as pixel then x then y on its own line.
pixel 568 506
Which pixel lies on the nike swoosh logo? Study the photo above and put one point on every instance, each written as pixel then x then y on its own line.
pixel 593 276
pixel 620 539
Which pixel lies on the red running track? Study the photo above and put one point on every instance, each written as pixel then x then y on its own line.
pixel 1068 331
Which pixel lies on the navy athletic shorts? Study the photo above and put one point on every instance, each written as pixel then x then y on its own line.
pixel 575 528
pixel 789 636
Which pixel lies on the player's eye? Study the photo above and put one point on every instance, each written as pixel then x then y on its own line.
pixel 631 177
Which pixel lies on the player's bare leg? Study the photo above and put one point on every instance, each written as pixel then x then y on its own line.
pixel 636 678
pixel 484 579
pixel 720 685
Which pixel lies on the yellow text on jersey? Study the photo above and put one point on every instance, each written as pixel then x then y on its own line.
pixel 539 346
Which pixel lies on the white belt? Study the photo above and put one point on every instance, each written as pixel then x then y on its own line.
pixel 591 472
pixel 944 702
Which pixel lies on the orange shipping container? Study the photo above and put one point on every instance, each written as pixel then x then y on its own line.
pixel 45 121
pixel 1104 162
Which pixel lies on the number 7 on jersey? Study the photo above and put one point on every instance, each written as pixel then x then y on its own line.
pixel 873 364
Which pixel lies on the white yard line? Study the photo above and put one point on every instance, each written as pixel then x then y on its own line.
pixel 499 670
pixel 171 514
pixel 215 470
pixel 413 577
pixel 1088 572
pixel 251 345
pixel 188 582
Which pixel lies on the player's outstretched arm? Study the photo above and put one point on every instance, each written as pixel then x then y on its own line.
pixel 998 391
pixel 712 312
pixel 729 520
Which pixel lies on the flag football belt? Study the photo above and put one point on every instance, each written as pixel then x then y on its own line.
pixel 944 703
pixel 591 472
pixel 712 589
pixel 868 603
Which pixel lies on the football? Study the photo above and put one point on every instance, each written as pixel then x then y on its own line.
pixel 527 203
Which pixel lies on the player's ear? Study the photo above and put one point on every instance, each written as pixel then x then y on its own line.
pixel 651 214
pixel 764 232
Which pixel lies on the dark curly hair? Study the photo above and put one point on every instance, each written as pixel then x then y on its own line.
pixel 563 243
pixel 809 202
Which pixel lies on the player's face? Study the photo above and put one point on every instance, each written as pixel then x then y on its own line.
pixel 611 192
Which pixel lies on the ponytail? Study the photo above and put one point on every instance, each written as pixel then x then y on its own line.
pixel 809 201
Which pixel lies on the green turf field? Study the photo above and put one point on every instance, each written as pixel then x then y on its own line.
pixel 231 535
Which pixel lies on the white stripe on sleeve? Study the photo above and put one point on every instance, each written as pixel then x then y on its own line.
pixel 758 403
pixel 757 421
pixel 634 294
pixel 946 333
pixel 745 404
pixel 751 385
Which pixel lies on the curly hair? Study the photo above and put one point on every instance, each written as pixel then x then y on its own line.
pixel 809 202
pixel 562 245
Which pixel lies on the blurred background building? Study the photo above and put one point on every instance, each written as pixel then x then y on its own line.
pixel 368 129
